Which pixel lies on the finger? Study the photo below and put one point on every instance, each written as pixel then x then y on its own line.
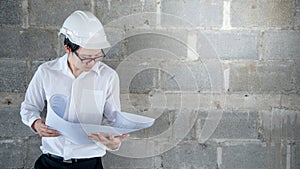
pixel 43 121
pixel 45 129
pixel 53 133
pixel 94 137
pixel 126 135
pixel 46 132
pixel 102 137
pixel 122 137
pixel 42 127
pixel 110 136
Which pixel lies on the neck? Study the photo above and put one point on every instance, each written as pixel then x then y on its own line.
pixel 75 71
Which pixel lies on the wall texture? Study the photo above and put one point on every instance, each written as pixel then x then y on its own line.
pixel 222 78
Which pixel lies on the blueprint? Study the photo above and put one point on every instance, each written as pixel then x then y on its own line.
pixel 78 132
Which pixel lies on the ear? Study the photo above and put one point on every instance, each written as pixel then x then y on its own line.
pixel 67 48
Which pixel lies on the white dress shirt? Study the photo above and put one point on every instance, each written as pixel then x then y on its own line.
pixel 90 96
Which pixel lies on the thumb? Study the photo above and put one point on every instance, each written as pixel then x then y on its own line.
pixel 124 136
pixel 43 121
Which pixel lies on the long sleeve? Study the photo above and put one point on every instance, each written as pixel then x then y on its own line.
pixel 34 101
pixel 112 103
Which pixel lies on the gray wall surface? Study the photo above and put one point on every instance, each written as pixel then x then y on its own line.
pixel 221 77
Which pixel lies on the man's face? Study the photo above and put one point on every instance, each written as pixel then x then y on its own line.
pixel 86 58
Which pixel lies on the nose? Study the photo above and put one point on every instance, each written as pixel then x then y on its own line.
pixel 91 61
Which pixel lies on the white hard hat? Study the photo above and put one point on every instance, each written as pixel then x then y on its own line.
pixel 84 29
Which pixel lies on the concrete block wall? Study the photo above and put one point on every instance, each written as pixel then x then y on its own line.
pixel 221 77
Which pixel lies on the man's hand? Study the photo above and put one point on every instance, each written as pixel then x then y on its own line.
pixel 43 130
pixel 112 142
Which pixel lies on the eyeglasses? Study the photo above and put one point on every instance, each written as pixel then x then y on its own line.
pixel 88 60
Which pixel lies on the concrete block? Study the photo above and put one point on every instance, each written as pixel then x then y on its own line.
pixel 297 76
pixel 291 101
pixel 174 119
pixel 230 45
pixel 205 48
pixel 13 75
pixel 162 101
pixel 116 39
pixel 192 13
pixel 282 155
pixel 33 151
pixel 165 115
pixel 191 155
pixel 168 83
pixel 11 124
pixel 111 63
pixel 296 155
pixel 234 125
pixel 10 13
pixel 135 103
pixel 33 68
pixel 132 74
pixel 180 35
pixel 245 102
pixel 246 156
pixel 11 100
pixel 213 69
pixel 111 161
pixel 130 11
pixel 280 72
pixel 12 153
pixel 298 13
pixel 38 44
pixel 132 22
pixel 162 123
pixel 53 13
pixel 281 45
pixel 144 81
pixel 259 77
pixel 32 43
pixel 243 77
pixel 280 125
pixel 182 100
pixel 10 45
pixel 160 40
pixel 175 75
pixel 262 13
pixel 169 125
pixel 201 76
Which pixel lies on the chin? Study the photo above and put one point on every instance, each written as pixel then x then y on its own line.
pixel 87 69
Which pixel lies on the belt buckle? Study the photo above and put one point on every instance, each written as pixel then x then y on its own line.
pixel 67 161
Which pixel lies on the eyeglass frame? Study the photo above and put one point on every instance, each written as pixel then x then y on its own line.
pixel 90 59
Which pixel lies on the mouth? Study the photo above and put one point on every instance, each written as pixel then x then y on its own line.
pixel 88 67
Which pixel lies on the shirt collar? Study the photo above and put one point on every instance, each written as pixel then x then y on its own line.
pixel 96 68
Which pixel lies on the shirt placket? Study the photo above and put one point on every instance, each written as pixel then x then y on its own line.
pixel 71 114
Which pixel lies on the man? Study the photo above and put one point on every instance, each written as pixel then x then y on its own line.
pixel 91 89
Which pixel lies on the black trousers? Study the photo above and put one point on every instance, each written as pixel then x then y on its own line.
pixel 45 161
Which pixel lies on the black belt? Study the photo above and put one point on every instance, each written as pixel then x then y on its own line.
pixel 61 159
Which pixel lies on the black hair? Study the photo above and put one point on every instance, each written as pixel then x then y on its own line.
pixel 71 45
